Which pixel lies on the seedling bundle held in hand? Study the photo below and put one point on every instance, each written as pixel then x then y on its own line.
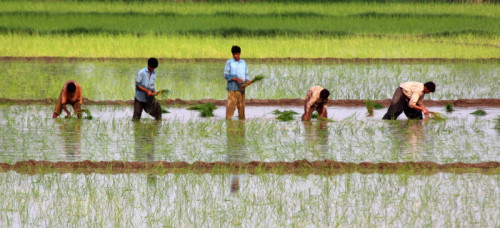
pixel 256 79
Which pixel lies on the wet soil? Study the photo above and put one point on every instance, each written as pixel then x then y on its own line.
pixel 299 167
pixel 486 102
pixel 50 59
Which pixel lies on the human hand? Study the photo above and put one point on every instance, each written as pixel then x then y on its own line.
pixel 426 112
pixel 238 80
pixel 149 93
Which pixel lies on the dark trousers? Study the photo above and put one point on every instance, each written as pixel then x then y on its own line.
pixel 399 104
pixel 153 108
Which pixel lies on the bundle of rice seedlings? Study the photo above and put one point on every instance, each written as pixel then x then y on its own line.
pixel 449 107
pixel 163 92
pixel 497 123
pixel 479 112
pixel 437 116
pixel 256 79
pixel 206 110
pixel 371 105
pixel 286 115
pixel 163 110
pixel 314 115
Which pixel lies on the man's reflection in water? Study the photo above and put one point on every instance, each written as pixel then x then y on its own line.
pixel 71 134
pixel 236 147
pixel 316 138
pixel 145 134
pixel 409 137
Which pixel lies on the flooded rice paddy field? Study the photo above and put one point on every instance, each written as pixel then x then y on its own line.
pixel 185 200
pixel 203 79
pixel 28 133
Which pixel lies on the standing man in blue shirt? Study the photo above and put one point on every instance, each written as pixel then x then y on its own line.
pixel 145 92
pixel 236 74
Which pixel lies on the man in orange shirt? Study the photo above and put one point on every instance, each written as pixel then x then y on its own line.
pixel 71 93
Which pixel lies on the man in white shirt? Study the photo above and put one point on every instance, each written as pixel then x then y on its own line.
pixel 409 98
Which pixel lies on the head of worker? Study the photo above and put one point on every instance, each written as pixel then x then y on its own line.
pixel 71 87
pixel 324 94
pixel 429 87
pixel 152 64
pixel 236 50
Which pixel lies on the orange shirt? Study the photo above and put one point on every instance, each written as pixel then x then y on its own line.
pixel 71 98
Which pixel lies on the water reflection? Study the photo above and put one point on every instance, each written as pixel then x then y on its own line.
pixel 71 134
pixel 408 137
pixel 145 134
pixel 316 138
pixel 236 147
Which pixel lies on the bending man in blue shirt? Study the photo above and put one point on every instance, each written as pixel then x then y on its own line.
pixel 145 92
pixel 236 74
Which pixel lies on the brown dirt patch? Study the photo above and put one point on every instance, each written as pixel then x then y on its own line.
pixel 299 167
pixel 486 102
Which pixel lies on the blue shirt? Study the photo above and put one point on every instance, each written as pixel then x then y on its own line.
pixel 143 79
pixel 235 69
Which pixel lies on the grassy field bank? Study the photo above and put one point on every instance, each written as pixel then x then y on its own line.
pixel 207 30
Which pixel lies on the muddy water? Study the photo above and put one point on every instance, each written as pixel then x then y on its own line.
pixel 192 200
pixel 27 133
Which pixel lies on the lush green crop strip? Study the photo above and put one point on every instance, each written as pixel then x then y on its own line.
pixel 222 24
pixel 327 167
pixel 130 46
pixel 311 9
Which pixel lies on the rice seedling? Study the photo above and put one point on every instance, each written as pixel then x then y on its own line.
pixel 285 115
pixel 371 105
pixel 206 110
pixel 479 112
pixel 497 123
pixel 437 116
pixel 449 107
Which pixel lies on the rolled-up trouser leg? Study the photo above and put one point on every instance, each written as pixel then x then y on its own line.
pixel 153 108
pixel 231 104
pixel 138 106
pixel 413 113
pixel 398 103
pixel 241 105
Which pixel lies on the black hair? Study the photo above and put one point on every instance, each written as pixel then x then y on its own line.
pixel 153 62
pixel 430 86
pixel 235 49
pixel 71 87
pixel 324 93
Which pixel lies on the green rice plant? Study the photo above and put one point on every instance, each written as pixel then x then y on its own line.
pixel 497 123
pixel 164 110
pixel 371 105
pixel 88 115
pixel 479 112
pixel 314 115
pixel 449 107
pixel 437 116
pixel 206 110
pixel 285 115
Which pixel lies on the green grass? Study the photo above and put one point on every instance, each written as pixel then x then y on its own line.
pixel 114 80
pixel 206 110
pixel 207 30
pixel 479 112
pixel 191 46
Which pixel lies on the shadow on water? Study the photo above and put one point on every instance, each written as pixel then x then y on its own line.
pixel 236 147
pixel 316 138
pixel 145 134
pixel 408 138
pixel 71 134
